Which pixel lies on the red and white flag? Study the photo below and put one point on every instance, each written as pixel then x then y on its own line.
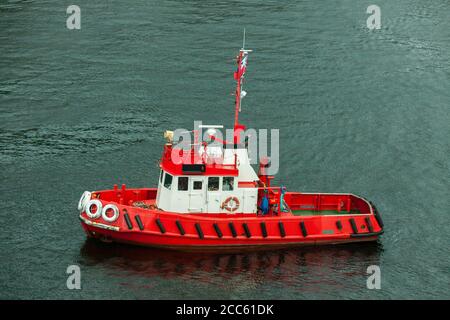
pixel 242 65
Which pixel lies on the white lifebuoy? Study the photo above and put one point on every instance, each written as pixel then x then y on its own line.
pixel 97 213
pixel 85 197
pixel 115 215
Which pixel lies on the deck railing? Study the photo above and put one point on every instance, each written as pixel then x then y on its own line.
pixel 326 201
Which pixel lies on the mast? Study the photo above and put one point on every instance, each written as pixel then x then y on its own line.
pixel 241 61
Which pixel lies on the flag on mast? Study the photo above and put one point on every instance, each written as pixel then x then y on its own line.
pixel 242 65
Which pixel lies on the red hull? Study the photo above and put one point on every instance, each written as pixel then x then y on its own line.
pixel 212 232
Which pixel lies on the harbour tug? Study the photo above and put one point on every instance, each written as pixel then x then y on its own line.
pixel 215 201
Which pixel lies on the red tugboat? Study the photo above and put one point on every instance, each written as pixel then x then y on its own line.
pixel 215 201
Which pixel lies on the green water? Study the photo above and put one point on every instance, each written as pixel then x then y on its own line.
pixel 360 111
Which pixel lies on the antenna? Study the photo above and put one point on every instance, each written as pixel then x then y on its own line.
pixel 242 83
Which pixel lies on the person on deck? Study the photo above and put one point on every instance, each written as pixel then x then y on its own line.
pixel 264 204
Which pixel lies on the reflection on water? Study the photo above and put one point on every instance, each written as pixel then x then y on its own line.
pixel 305 265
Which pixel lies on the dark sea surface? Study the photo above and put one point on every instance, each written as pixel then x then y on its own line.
pixel 360 111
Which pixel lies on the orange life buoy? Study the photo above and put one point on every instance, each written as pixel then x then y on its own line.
pixel 230 204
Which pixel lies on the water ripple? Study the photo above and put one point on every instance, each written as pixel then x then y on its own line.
pixel 112 132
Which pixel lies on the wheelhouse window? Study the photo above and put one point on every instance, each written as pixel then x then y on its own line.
pixel 197 185
pixel 227 184
pixel 213 184
pixel 168 181
pixel 161 176
pixel 183 183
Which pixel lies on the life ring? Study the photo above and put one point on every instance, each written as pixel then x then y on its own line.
pixel 85 197
pixel 115 215
pixel 97 213
pixel 227 204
